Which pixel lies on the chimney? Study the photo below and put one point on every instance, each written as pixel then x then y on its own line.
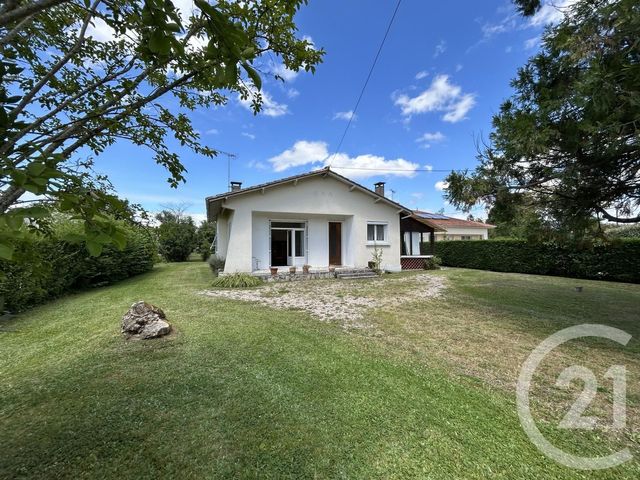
pixel 235 186
pixel 379 187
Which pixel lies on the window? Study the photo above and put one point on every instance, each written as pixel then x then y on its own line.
pixel 411 244
pixel 465 237
pixel 376 232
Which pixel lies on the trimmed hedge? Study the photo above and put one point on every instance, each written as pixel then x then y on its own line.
pixel 55 267
pixel 618 260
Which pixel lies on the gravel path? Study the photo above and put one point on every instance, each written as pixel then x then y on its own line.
pixel 343 300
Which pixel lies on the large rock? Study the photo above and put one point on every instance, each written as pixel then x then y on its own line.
pixel 144 320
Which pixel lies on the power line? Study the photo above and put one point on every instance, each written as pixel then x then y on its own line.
pixel 366 82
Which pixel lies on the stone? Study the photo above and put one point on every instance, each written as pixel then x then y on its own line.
pixel 145 321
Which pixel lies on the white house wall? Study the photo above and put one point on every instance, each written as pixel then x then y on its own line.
pixel 316 200
pixel 456 231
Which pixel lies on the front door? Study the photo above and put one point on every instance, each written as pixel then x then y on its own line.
pixel 335 243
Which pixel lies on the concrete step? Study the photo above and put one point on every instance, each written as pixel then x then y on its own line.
pixel 356 275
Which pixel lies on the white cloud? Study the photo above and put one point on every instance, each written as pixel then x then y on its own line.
pixel 316 154
pixel 458 67
pixel 212 131
pixel 270 107
pixel 460 109
pixel 422 74
pixel 441 96
pixel 302 153
pixel 427 167
pixel 348 115
pixel 258 165
pixel 429 138
pixel 552 11
pixel 250 136
pixel 441 185
pixel 283 72
pixel 508 49
pixel 531 43
pixel 100 31
pixel 441 47
pixel 292 93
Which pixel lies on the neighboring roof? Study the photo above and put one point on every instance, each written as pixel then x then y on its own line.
pixel 214 203
pixel 448 222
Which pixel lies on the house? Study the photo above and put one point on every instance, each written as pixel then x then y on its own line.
pixel 320 219
pixel 455 228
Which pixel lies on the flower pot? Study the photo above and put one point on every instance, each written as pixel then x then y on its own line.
pixel 274 270
pixel 332 269
pixel 292 270
pixel 305 268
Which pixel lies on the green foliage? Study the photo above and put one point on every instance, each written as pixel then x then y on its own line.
pixel 216 263
pixel 236 280
pixel 432 263
pixel 176 236
pixel 569 138
pixel 52 265
pixel 619 260
pixel 55 103
pixel 205 235
pixel 625 231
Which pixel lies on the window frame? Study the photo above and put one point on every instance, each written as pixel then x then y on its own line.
pixel 385 233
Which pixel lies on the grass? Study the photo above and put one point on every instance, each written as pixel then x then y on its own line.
pixel 236 280
pixel 240 390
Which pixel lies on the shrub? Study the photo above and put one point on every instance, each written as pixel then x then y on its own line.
pixel 48 267
pixel 216 263
pixel 624 231
pixel 618 260
pixel 432 263
pixel 236 280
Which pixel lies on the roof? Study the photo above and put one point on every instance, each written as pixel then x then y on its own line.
pixel 214 203
pixel 448 222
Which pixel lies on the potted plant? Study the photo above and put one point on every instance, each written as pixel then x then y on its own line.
pixel 274 270
pixel 305 269
pixel 292 270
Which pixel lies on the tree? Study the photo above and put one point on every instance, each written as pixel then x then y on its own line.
pixel 176 236
pixel 205 235
pixel 78 75
pixel 568 140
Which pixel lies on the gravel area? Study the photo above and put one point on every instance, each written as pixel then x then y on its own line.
pixel 343 300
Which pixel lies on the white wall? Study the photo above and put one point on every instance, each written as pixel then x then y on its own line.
pixel 316 200
pixel 463 231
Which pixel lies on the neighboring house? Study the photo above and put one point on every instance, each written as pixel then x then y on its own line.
pixel 319 219
pixel 455 228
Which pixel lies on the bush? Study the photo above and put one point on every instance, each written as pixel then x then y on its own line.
pixel 216 263
pixel 624 231
pixel 618 260
pixel 236 280
pixel 432 263
pixel 48 267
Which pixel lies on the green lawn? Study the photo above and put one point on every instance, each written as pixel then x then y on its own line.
pixel 242 390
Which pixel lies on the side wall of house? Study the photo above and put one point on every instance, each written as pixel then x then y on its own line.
pixel 318 201
pixel 455 233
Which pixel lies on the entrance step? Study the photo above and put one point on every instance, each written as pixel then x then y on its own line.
pixel 356 274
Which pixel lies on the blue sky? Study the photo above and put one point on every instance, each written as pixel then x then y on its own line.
pixel 443 72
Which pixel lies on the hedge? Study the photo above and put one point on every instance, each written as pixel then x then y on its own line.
pixel 52 267
pixel 618 260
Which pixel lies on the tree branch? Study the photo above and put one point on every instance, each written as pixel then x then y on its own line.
pixel 59 64
pixel 31 8
pixel 613 218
